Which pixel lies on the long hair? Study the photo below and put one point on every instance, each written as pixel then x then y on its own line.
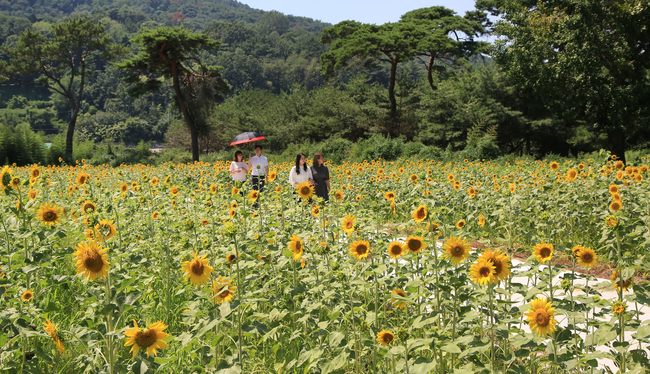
pixel 317 156
pixel 304 166
pixel 239 153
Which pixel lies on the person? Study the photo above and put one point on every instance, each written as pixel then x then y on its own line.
pixel 238 168
pixel 260 169
pixel 300 172
pixel 321 176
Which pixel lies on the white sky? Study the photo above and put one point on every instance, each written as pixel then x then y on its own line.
pixel 365 11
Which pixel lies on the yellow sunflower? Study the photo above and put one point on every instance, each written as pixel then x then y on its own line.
pixel 305 190
pixel 398 303
pixel 483 272
pixel 155 215
pixel 619 307
pixel 124 188
pixel 338 195
pixel 272 175
pixel 222 290
pixel 460 224
pixel 390 196
pixel 615 205
pixel 253 195
pixel 5 178
pixel 213 188
pixel 82 178
pixel 347 225
pixel 613 189
pixel 91 260
pixel 315 211
pixel 232 213
pixel 617 281
pixel 481 220
pixel 106 228
pixel 150 339
pixel 174 191
pixel 415 244
pixel 611 221
pixel 396 250
pixel 231 259
pixel 48 214
pixel 500 261
pixel 32 194
pixel 154 181
pixel 385 337
pixel 540 317
pixel 456 250
pixel 34 172
pixel 543 252
pixel 360 249
pixel 27 295
pixel 296 246
pixel 197 271
pixel 420 213
pixel 58 342
pixel 88 207
pixel 587 257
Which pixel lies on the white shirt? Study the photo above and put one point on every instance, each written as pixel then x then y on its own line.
pixel 241 174
pixel 260 161
pixel 295 178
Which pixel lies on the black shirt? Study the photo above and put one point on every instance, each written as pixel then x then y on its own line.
pixel 321 174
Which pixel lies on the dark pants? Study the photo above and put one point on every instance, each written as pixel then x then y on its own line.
pixel 258 185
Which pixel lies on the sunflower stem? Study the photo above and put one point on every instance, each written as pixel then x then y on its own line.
pixel 491 328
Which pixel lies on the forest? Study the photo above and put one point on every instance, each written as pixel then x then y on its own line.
pixel 304 84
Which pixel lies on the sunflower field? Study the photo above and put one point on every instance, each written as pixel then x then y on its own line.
pixel 413 266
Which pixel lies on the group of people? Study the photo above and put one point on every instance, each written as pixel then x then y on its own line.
pixel 317 174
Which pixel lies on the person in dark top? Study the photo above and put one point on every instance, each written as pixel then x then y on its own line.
pixel 321 176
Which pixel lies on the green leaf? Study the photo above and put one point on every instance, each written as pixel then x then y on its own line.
pixel 450 348
pixel 335 339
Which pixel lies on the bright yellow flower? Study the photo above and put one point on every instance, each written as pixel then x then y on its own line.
pixel 385 337
pixel 415 244
pixel 49 328
pixel 456 250
pixel 347 225
pixel 540 317
pixel 91 260
pixel 500 261
pixel 483 272
pixel 150 339
pixel 400 304
pixel 543 252
pixel 420 213
pixel 296 246
pixel 222 290
pixel 360 249
pixel 48 214
pixel 197 271
pixel 396 250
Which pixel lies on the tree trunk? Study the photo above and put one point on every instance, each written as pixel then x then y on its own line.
pixel 186 116
pixel 430 73
pixel 391 86
pixel 69 138
pixel 616 143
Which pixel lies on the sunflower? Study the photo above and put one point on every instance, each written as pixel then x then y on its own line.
pixel 154 181
pixel 222 290
pixel 58 342
pixel 619 307
pixel 512 187
pixel 27 295
pixel 5 178
pixel 48 214
pixel 234 205
pixel 540 317
pixel 385 337
pixel 587 257
pixel 197 271
pixel 315 211
pixel 615 205
pixel 398 303
pixel 456 250
pixel 232 213
pixel 616 279
pixel 460 224
pixel 390 196
pixel 88 207
pixel 611 221
pixel 155 215
pixel 396 249
pixel 204 222
pixel 92 260
pixel 415 244
pixel 617 197
pixel 613 189
pixel 500 261
pixel 82 178
pixel 106 228
pixel 253 195
pixel 34 172
pixel 543 252
pixel 360 249
pixel 278 189
pixel 296 246
pixel 124 188
pixel 420 213
pixel 32 194
pixel 338 195
pixel 89 234
pixel 481 220
pixel 347 225
pixel 151 338
pixel 576 249
pixel 231 259
pixel 305 190
pixel 554 166
pixel 174 191
pixel 272 175
pixel 483 272
pixel 450 177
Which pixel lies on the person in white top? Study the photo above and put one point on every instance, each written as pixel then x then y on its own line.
pixel 238 168
pixel 259 168
pixel 300 172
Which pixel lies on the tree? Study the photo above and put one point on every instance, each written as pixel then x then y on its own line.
pixel 354 42
pixel 172 53
pixel 447 37
pixel 60 61
pixel 588 59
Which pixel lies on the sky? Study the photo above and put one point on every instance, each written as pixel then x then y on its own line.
pixel 364 11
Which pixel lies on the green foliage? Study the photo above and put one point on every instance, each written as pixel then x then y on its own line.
pixel 379 147
pixel 21 145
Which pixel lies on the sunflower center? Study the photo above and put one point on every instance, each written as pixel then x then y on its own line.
pixel 396 250
pixel 420 214
pixel 224 294
pixel 93 261
pixel 387 338
pixel 362 249
pixel 348 225
pixel 298 246
pixel 197 268
pixel 414 245
pixel 49 216
pixel 542 318
pixel 456 250
pixel 497 265
pixel 545 252
pixel 304 191
pixel 145 338
pixel 586 257
pixel 485 271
